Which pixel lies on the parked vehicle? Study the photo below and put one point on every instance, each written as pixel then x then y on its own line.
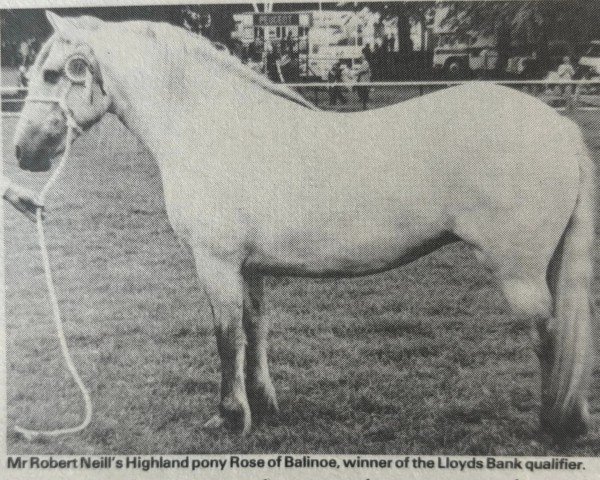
pixel 323 57
pixel 461 54
pixel 589 63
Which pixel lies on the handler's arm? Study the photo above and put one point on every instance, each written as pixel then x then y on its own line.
pixel 4 185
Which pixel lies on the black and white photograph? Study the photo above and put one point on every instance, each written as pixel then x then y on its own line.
pixel 319 229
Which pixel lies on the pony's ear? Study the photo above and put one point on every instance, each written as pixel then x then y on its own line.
pixel 59 24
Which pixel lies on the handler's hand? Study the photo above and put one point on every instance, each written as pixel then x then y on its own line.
pixel 23 200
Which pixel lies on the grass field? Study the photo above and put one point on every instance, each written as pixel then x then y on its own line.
pixel 425 359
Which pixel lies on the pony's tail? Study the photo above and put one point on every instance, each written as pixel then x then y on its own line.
pixel 571 360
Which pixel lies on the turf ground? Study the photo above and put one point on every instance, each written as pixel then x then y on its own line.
pixel 425 359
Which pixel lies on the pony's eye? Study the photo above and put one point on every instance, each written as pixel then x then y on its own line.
pixel 51 76
pixel 76 69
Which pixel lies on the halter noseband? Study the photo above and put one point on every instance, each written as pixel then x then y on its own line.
pixel 62 103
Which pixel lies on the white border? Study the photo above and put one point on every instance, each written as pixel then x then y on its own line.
pixel 592 464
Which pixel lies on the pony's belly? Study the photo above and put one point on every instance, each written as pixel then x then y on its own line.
pixel 344 258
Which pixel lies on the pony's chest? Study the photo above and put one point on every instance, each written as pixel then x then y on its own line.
pixel 202 220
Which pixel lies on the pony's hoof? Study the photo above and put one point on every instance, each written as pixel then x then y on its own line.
pixel 263 402
pixel 574 424
pixel 564 431
pixel 215 423
pixel 236 414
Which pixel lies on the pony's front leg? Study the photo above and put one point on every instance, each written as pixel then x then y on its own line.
pixel 261 393
pixel 224 287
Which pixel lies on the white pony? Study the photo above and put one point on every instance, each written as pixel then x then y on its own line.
pixel 258 182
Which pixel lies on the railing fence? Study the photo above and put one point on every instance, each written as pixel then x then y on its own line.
pixel 563 95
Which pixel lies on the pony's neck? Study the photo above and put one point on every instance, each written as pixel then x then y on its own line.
pixel 152 97
pixel 168 84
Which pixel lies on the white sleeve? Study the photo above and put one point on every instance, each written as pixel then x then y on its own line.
pixel 4 185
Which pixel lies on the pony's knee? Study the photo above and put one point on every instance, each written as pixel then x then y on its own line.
pixel 528 298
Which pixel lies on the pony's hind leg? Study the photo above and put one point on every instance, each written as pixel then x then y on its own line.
pixel 542 257
pixel 531 293
pixel 224 287
pixel 532 299
pixel 261 393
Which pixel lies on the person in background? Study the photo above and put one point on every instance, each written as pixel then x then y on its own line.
pixel 363 75
pixel 335 92
pixel 391 43
pixel 367 53
pixel 289 45
pixel 346 75
pixel 532 71
pixel 22 199
pixel 252 51
pixel 23 52
pixel 385 48
pixel 271 59
pixel 34 47
pixel 377 60
pixel 566 72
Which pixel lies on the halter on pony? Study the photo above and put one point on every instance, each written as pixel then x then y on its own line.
pixel 78 71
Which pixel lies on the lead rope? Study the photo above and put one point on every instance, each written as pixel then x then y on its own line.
pixel 33 434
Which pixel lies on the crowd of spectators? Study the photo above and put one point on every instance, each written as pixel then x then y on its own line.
pixel 382 56
pixel 279 60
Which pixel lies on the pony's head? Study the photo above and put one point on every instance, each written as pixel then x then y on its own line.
pixel 65 82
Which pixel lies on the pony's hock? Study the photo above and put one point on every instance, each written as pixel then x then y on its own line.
pixel 484 164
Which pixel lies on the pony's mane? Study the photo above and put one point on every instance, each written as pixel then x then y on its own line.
pixel 165 35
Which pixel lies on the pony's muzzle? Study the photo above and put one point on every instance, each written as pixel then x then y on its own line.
pixel 35 147
pixel 32 159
